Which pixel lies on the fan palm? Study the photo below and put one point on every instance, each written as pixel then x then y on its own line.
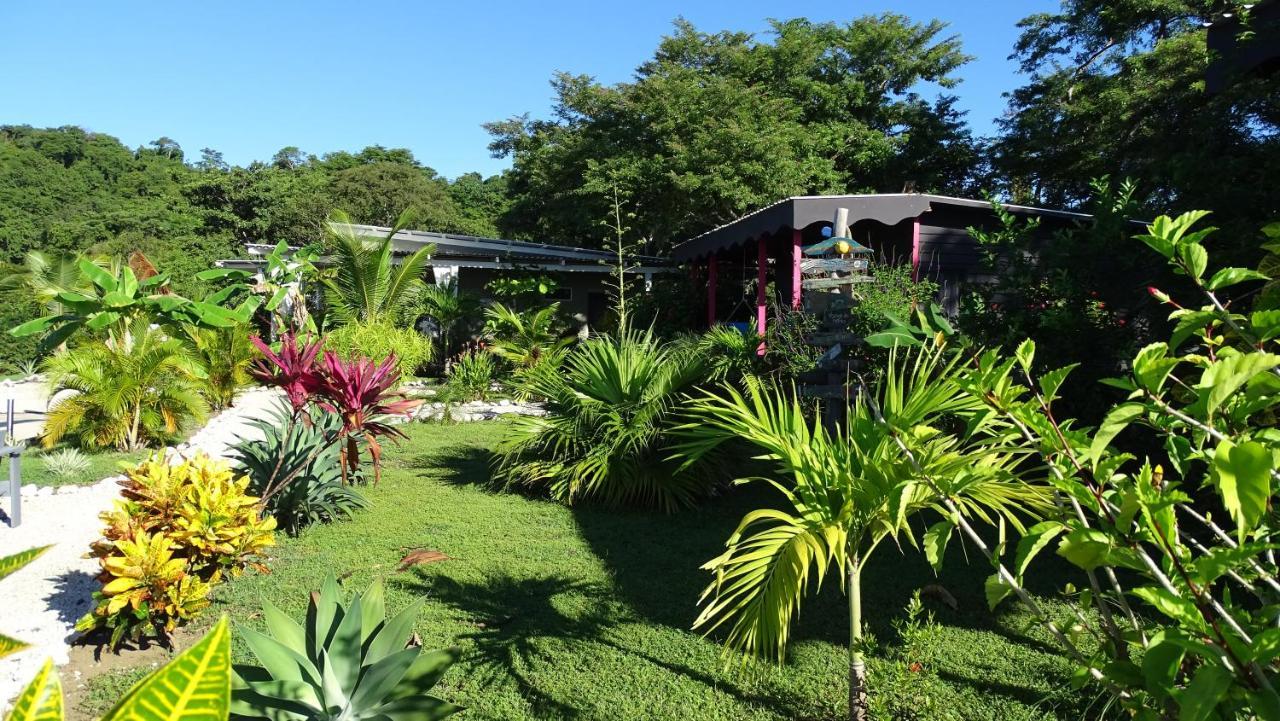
pixel 524 338
pixel 124 398
pixel 364 285
pixel 848 490
pixel 604 436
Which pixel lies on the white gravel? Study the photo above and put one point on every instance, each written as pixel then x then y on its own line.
pixel 41 603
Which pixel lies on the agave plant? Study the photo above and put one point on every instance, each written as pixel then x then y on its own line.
pixel 292 368
pixel 361 393
pixel 294 468
pixel 124 398
pixel 66 463
pixel 604 437
pixel 349 662
pixel 847 491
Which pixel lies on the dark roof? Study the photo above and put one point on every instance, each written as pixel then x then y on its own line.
pixel 803 211
pixel 451 245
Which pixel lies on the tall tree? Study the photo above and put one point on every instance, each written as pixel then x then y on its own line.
pixel 716 124
pixel 1117 87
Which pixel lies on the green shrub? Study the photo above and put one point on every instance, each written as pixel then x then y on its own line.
pixel 348 662
pixel 224 355
pixel 377 341
pixel 604 438
pixel 470 376
pixel 892 293
pixel 295 469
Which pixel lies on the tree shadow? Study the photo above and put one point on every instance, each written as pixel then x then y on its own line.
pixel 523 627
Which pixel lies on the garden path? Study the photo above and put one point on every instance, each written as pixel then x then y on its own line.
pixel 41 603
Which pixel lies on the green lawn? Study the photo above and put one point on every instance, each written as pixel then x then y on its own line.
pixel 584 613
pixel 101 465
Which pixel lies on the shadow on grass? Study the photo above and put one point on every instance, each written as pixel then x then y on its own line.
pixel 525 627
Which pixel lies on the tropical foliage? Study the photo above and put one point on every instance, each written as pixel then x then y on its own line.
pixel 380 341
pixel 524 338
pixel 224 356
pixel 452 311
pixel 471 375
pixel 847 491
pixel 604 437
pixel 178 530
pixel 363 284
pixel 124 397
pixel 294 469
pixel 349 661
pixel 194 686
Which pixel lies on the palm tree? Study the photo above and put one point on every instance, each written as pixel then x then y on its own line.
pixel 524 338
pixel 224 356
pixel 363 284
pixel 604 437
pixel 450 309
pixel 124 398
pixel 849 490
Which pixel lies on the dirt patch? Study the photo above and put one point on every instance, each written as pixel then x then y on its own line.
pixel 95 676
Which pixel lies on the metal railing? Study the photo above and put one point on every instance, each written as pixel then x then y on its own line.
pixel 14 452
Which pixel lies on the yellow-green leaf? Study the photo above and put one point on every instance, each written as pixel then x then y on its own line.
pixel 195 686
pixel 10 646
pixel 9 564
pixel 41 700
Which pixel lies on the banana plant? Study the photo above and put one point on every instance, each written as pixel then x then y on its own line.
pixel 194 686
pixel 8 565
pixel 113 301
pixel 282 283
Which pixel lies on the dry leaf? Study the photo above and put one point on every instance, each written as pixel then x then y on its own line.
pixel 419 557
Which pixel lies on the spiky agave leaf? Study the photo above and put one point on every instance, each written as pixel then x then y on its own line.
pixel 347 659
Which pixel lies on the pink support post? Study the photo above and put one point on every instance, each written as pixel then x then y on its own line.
pixel 712 267
pixel 762 268
pixel 915 249
pixel 796 256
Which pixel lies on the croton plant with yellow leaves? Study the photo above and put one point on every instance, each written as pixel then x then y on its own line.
pixel 177 531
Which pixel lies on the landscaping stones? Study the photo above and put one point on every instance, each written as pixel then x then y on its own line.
pixel 476 410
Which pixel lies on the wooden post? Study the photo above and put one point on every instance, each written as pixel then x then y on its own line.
pixel 797 254
pixel 762 270
pixel 712 267
pixel 915 249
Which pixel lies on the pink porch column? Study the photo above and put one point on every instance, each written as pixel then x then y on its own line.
pixel 712 268
pixel 796 256
pixel 762 269
pixel 915 249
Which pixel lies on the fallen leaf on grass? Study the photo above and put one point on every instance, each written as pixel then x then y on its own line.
pixel 420 557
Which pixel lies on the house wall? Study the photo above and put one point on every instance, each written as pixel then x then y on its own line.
pixel 580 286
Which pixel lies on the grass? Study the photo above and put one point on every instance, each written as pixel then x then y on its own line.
pixel 584 613
pixel 101 465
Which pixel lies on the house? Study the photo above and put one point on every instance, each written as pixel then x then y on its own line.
pixel 928 231
pixel 581 274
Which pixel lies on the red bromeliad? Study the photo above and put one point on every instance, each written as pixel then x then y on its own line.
pixel 293 368
pixel 360 391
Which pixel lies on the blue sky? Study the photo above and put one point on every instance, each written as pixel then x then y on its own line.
pixel 248 78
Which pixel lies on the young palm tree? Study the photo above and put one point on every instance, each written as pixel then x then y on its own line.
pixel 363 284
pixel 524 338
pixel 224 356
pixel 124 398
pixel 604 437
pixel 848 490
pixel 450 309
